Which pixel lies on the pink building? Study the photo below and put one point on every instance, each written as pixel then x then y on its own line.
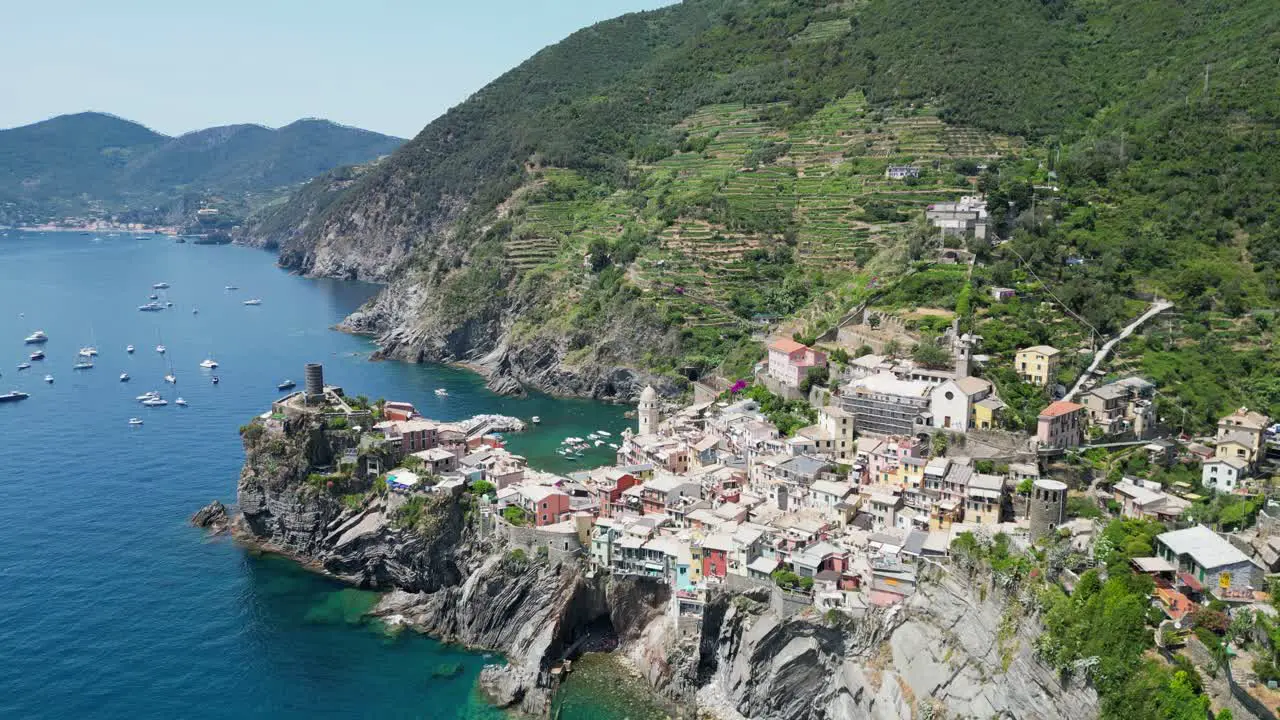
pixel 398 411
pixel 789 361
pixel 1061 425
pixel 547 505
pixel 886 458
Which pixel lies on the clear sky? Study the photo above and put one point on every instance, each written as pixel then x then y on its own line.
pixel 179 65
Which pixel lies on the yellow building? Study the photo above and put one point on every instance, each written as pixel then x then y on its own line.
pixel 1234 449
pixel 1037 365
pixel 986 413
pixel 910 473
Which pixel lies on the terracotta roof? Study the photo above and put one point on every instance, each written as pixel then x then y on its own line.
pixel 787 345
pixel 1059 408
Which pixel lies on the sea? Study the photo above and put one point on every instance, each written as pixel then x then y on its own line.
pixel 111 605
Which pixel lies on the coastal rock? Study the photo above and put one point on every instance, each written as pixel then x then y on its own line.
pixel 212 517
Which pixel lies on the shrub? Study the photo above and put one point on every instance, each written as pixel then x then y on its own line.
pixel 515 515
pixel 482 487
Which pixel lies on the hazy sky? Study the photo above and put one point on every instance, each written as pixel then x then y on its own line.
pixel 178 65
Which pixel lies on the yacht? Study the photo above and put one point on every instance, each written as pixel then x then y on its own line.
pixel 535 419
pixel 231 287
pixel 124 377
pixel 160 349
pixel 37 355
pixel 135 421
pixel 48 379
pixel 36 338
pixel 147 396
pixel 24 366
pixel 160 286
pixel 442 392
pixel 287 385
pixel 128 349
pixel 13 396
pixel 152 306
pixel 89 351
pixel 155 402
pixel 82 365
pixel 171 378
pixel 254 301
pixel 208 363
pixel 180 402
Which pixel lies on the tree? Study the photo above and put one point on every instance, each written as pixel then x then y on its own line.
pixel 515 515
pixel 939 444
pixel 931 355
pixel 482 487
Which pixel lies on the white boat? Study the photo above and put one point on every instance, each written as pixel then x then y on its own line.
pixel 254 301
pixel 151 307
pixel 287 385
pixel 36 338
pixel 48 378
pixel 602 433
pixel 592 436
pixel 160 349
pixel 195 311
pixel 180 402
pixel 88 351
pixel 599 443
pixel 155 402
pixel 124 377
pixel 82 365
pixel 128 349
pixel 147 395
pixel 37 355
pixel 231 287
pixel 535 419
pixel 24 366
pixel 613 445
pixel 208 363
pixel 135 421
pixel 442 392
pixel 160 286
pixel 171 379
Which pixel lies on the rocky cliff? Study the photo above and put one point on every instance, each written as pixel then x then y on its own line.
pixel 951 650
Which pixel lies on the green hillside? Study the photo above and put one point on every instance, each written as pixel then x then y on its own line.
pixel 691 173
pixel 95 162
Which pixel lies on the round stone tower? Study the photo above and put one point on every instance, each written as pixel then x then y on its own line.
pixel 1048 507
pixel 648 410
pixel 314 376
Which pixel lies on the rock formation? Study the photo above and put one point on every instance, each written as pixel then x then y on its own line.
pixel 212 517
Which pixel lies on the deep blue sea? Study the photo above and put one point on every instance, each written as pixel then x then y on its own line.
pixel 111 606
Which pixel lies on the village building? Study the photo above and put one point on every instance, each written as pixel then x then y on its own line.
pixel 1224 474
pixel 884 405
pixel 964 218
pixel 833 436
pixel 1205 561
pixel 1061 425
pixel 1138 501
pixel 953 405
pixel 902 172
pixel 1122 407
pixel 1242 435
pixel 790 362
pixel 1037 365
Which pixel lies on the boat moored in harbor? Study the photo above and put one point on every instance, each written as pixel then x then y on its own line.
pixel 254 301
pixel 13 396
pixel 37 355
pixel 287 385
pixel 36 338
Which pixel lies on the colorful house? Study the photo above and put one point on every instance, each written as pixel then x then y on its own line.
pixel 1037 365
pixel 790 362
pixel 1061 425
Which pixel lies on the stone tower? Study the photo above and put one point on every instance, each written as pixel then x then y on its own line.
pixel 648 410
pixel 961 351
pixel 1047 507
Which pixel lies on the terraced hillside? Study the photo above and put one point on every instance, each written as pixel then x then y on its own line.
pixel 743 192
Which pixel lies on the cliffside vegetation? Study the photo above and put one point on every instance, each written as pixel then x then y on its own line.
pixel 688 174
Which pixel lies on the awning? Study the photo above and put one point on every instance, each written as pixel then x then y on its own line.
pixel 1189 580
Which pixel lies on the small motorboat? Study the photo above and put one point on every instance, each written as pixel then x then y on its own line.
pixel 155 402
pixel 253 301
pixel 442 392
pixel 37 355
pixel 24 366
pixel 151 307
pixel 124 377
pixel 48 379
pixel 215 379
pixel 160 349
pixel 168 304
pixel 602 433
pixel 231 287
pixel 153 296
pixel 180 402
pixel 160 286
pixel 171 379
pixel 128 349
pixel 135 421
pixel 208 363
pixel 535 419
pixel 147 395
pixel 195 311
pixel 36 338
pixel 89 351
pixel 613 445
pixel 599 443
pixel 82 365
pixel 287 385
pixel 13 396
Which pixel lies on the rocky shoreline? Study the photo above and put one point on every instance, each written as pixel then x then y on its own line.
pixel 450 575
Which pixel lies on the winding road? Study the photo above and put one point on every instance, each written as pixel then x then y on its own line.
pixel 1156 308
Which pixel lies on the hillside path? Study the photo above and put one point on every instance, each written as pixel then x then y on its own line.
pixel 1156 308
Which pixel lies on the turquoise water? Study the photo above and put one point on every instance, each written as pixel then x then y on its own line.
pixel 112 606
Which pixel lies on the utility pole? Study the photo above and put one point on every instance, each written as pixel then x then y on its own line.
pixel 1206 77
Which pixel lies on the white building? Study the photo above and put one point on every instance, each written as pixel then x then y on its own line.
pixel 1224 474
pixel 952 403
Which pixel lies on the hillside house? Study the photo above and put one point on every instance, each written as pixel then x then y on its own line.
pixel 1224 474
pixel 1037 365
pixel 790 362
pixel 1241 435
pixel 1207 561
pixel 1061 425
pixel 1122 407
pixel 968 216
pixel 902 172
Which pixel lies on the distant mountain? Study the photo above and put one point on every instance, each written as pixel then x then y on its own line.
pixel 94 161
